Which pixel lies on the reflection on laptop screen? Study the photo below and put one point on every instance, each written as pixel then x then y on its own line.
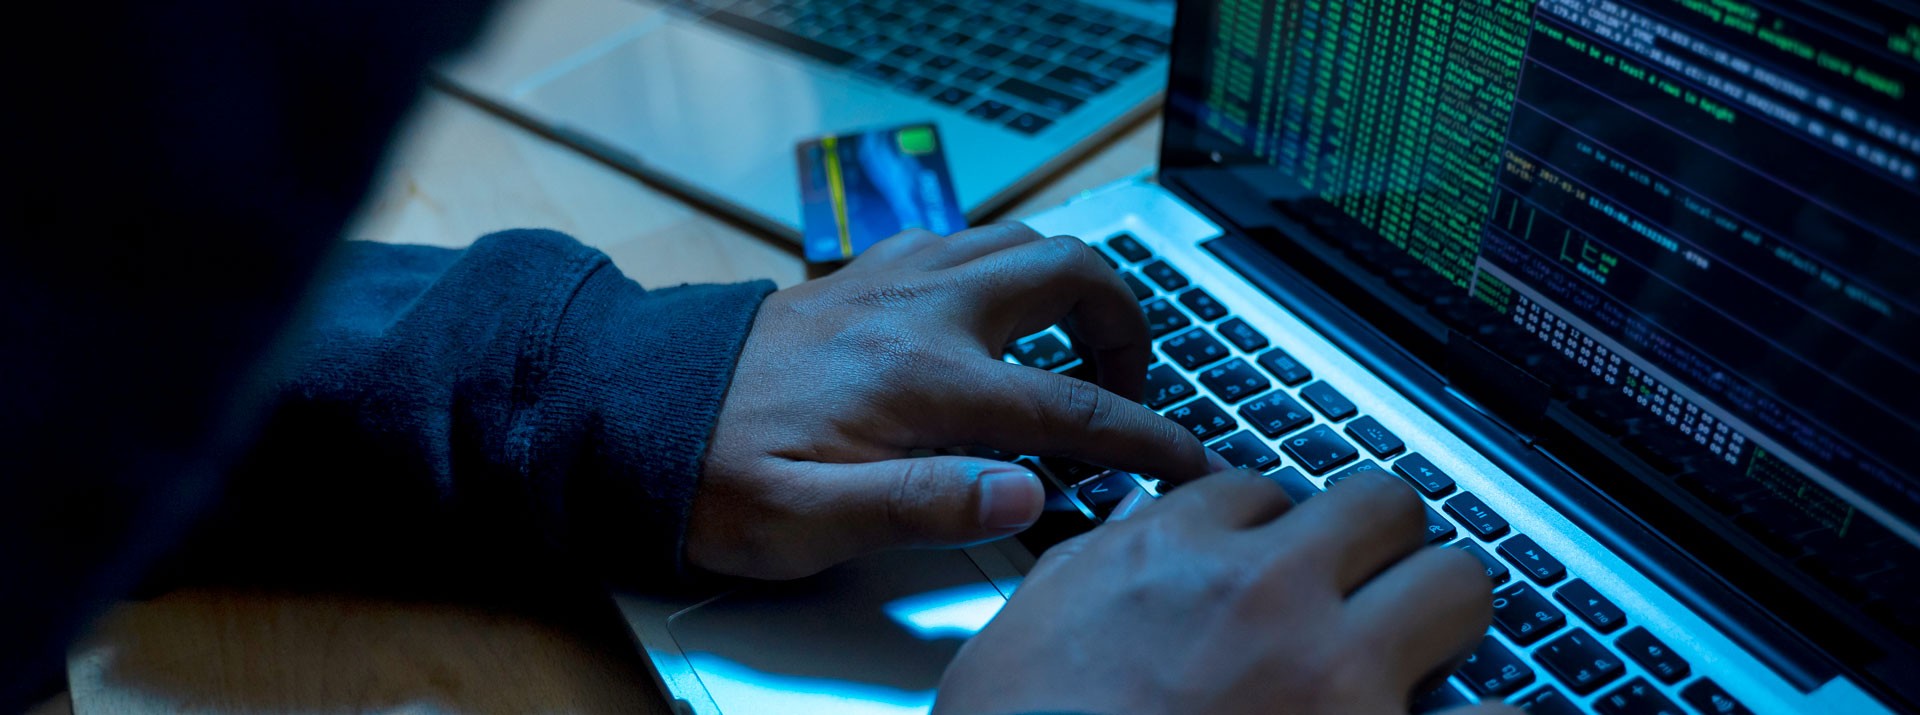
pixel 1695 219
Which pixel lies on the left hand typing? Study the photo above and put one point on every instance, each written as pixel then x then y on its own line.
pixel 842 377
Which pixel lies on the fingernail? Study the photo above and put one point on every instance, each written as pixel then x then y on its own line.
pixel 1217 463
pixel 1010 498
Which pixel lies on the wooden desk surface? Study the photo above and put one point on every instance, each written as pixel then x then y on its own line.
pixel 455 173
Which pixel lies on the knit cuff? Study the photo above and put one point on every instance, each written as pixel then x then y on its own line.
pixel 648 371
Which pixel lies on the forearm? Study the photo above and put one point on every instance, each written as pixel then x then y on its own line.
pixel 522 389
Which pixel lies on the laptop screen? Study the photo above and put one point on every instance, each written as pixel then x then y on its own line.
pixel 1695 222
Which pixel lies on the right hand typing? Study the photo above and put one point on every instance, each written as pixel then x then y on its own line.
pixel 1225 598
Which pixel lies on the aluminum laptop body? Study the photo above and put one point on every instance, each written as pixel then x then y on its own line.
pixel 1614 285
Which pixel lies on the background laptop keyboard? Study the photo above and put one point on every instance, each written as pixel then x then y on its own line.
pixel 1555 639
pixel 1020 63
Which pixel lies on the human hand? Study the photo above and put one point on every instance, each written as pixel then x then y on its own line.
pixel 842 377
pixel 1222 598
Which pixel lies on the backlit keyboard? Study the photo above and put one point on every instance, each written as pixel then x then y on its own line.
pixel 1023 64
pixel 1555 638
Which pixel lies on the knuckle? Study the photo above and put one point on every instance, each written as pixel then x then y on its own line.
pixel 1064 251
pixel 1083 405
pixel 904 498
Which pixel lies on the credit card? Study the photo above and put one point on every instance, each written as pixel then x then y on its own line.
pixel 858 188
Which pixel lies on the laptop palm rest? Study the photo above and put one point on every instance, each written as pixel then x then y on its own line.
pixel 870 636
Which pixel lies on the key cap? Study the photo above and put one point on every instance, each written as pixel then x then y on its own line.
pixel 1142 44
pixel 1493 671
pixel 1532 559
pixel 1203 418
pixel 952 96
pixel 1233 381
pixel 1592 607
pixel 1328 401
pixel 1275 414
pixel 1045 351
pixel 1319 450
pixel 1480 519
pixel 1162 317
pixel 1366 430
pixel 1193 349
pixel 1025 61
pixel 979 75
pixel 1029 123
pixel 1294 484
pixel 1124 66
pixel 1284 367
pixel 990 51
pixel 1439 530
pixel 1103 494
pixel 1365 466
pixel 1129 247
pixel 1525 614
pixel 1548 700
pixel 879 70
pixel 1060 519
pixel 1164 276
pixel 1496 571
pixel 782 37
pixel 1165 386
pixel 1086 82
pixel 1203 305
pixel 1424 476
pixel 1246 451
pixel 1242 335
pixel 1640 645
pixel 1580 661
pixel 1635 697
pixel 989 109
pixel 1707 697
pixel 1070 472
pixel 1141 291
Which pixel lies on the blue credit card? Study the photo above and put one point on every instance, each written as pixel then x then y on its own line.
pixel 856 189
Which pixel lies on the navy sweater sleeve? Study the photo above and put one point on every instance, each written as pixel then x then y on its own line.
pixel 522 387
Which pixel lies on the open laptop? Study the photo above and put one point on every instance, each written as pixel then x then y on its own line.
pixel 709 97
pixel 1624 288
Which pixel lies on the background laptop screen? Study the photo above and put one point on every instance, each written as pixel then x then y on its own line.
pixel 1697 220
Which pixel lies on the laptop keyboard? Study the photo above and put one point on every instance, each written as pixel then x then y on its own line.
pixel 1022 64
pixel 1555 639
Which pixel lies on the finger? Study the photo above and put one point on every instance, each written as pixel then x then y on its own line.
pixel 976 242
pixel 1425 612
pixel 1236 498
pixel 1026 411
pixel 1024 289
pixel 925 501
pixel 1363 525
pixel 895 250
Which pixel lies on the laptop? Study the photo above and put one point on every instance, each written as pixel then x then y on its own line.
pixel 1624 289
pixel 709 97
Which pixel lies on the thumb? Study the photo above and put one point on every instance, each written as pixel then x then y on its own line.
pixel 928 501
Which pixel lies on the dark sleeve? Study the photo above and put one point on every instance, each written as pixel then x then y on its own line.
pixel 521 391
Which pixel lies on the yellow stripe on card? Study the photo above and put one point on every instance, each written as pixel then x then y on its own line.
pixel 830 154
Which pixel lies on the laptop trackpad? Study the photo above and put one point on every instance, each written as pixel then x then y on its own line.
pixel 871 636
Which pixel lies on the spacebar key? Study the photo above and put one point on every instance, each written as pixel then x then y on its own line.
pixel 803 45
pixel 1037 94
